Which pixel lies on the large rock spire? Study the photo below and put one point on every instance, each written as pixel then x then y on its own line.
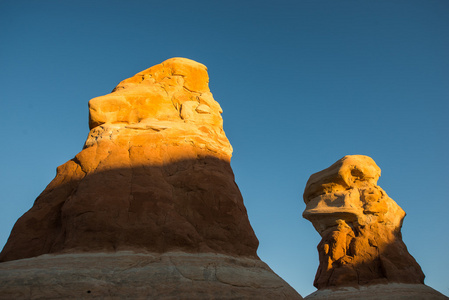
pixel 153 189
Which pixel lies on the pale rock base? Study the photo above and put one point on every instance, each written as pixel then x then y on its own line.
pixel 128 275
pixel 396 291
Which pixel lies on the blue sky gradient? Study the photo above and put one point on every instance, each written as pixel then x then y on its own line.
pixel 301 83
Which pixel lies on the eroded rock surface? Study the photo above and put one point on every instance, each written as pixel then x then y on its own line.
pixel 360 227
pixel 389 291
pixel 127 275
pixel 154 177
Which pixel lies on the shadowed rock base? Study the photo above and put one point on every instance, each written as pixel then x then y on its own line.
pixel 396 291
pixel 128 275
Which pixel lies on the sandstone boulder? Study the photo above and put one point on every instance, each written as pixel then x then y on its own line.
pixel 360 228
pixel 154 177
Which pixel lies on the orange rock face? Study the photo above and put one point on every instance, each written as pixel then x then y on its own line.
pixel 154 176
pixel 360 227
pixel 148 209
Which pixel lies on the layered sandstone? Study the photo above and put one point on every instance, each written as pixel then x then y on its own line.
pixel 154 177
pixel 360 226
pixel 390 291
pixel 128 275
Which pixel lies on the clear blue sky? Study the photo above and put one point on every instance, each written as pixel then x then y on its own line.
pixel 301 83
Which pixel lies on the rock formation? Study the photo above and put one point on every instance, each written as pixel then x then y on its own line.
pixel 153 185
pixel 361 244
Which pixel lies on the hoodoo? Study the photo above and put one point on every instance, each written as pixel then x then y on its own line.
pixel 362 255
pixel 149 208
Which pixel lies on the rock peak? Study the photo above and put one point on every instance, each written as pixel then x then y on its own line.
pixel 194 75
pixel 170 97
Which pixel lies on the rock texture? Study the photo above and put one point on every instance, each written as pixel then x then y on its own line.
pixel 393 291
pixel 153 177
pixel 360 228
pixel 127 275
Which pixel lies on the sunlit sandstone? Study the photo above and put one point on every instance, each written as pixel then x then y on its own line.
pixel 360 226
pixel 154 174
pixel 154 177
